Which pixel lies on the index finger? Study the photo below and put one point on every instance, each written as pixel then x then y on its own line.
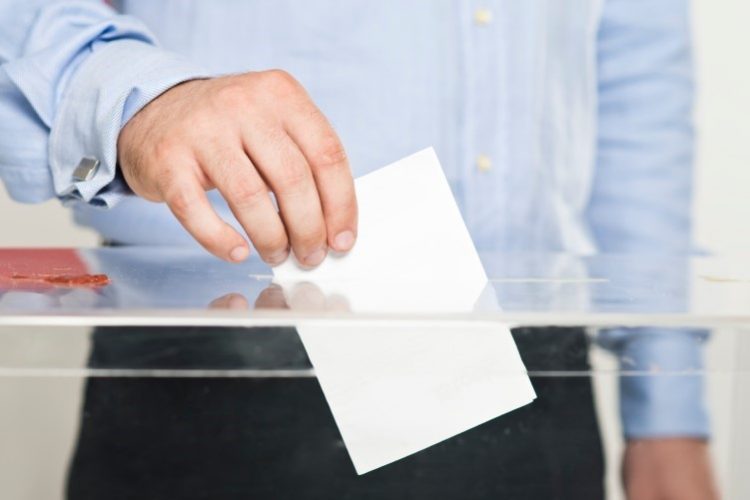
pixel 325 154
pixel 188 202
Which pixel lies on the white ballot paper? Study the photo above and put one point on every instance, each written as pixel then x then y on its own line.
pixel 395 389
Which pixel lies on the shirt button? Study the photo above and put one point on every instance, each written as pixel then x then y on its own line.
pixel 484 163
pixel 86 169
pixel 482 17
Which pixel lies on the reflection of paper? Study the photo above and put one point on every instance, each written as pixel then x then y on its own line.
pixel 395 390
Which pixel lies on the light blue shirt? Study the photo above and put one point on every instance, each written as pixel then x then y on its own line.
pixel 561 125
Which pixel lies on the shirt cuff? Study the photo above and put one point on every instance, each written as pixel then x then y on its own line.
pixel 114 82
pixel 662 386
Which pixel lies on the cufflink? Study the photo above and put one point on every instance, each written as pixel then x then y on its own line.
pixel 86 169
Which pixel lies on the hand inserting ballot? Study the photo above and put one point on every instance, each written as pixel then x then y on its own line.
pixel 246 135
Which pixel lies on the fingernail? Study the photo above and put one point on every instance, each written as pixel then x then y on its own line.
pixel 315 258
pixel 344 241
pixel 239 254
pixel 278 258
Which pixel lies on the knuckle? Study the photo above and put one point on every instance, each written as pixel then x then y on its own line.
pixel 246 194
pixel 275 136
pixel 330 156
pixel 165 150
pixel 308 241
pixel 294 180
pixel 221 168
pixel 180 202
pixel 280 76
pixel 281 81
pixel 232 95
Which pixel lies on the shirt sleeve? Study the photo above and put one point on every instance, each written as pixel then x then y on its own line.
pixel 641 199
pixel 661 382
pixel 71 74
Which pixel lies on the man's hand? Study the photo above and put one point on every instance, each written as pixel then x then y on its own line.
pixel 246 135
pixel 661 469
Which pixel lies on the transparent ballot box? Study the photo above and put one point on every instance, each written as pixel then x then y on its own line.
pixel 166 373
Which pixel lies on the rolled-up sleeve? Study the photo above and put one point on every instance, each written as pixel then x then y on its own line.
pixel 72 74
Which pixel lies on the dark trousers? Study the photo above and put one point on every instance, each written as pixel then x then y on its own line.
pixel 273 438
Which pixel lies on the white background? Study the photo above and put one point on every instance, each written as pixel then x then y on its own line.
pixel 40 448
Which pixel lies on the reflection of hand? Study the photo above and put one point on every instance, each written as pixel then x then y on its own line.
pixel 235 301
pixel 272 297
pixel 674 468
pixel 301 297
pixel 244 135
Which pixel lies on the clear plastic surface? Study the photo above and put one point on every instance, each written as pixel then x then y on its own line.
pixel 166 286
